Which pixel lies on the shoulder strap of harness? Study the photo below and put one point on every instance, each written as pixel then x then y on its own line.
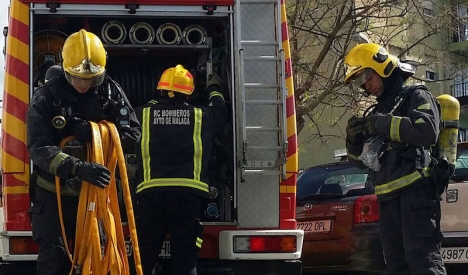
pixel 405 93
pixel 110 92
pixel 409 89
pixel 52 88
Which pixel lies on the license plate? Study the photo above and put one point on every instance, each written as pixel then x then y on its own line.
pixel 454 254
pixel 165 249
pixel 312 227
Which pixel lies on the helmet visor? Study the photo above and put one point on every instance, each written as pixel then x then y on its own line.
pixel 359 78
pixel 86 68
pixel 85 82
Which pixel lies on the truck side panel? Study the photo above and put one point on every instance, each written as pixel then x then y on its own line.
pixel 15 160
pixel 246 206
pixel 288 186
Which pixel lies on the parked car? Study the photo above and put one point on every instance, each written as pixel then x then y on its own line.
pixel 337 209
pixel 454 220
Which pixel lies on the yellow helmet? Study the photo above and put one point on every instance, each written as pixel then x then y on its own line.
pixel 369 55
pixel 84 57
pixel 176 79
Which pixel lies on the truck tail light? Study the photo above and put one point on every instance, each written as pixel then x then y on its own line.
pixel 366 209
pixel 23 245
pixel 265 244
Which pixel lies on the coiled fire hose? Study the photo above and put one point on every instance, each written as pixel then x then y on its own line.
pixel 99 241
pixel 113 32
pixel 169 34
pixel 47 46
pixel 141 33
pixel 194 35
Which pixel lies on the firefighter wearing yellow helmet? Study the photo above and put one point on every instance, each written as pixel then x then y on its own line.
pixel 61 110
pixel 405 120
pixel 172 158
pixel 84 59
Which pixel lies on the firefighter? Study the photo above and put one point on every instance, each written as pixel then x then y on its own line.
pixel 61 108
pixel 408 125
pixel 172 159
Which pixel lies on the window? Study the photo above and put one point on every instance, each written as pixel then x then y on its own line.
pixel 462 135
pixel 428 8
pixel 334 178
pixel 462 161
pixel 432 76
pixel 461 165
pixel 459 26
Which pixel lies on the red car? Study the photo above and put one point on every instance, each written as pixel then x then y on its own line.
pixel 337 209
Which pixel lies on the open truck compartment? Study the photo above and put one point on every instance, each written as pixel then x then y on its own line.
pixel 139 49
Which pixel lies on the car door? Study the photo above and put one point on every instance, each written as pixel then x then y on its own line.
pixel 454 219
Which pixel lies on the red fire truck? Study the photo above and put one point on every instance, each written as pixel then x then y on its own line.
pixel 249 219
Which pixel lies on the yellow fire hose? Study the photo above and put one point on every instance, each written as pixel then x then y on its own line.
pixel 99 241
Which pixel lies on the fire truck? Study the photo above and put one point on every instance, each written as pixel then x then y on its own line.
pixel 249 219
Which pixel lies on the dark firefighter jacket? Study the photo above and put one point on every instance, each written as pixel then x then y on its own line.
pixel 410 132
pixel 58 97
pixel 176 144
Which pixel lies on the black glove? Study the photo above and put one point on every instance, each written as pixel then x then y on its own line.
pixel 91 172
pixel 214 79
pixel 369 124
pixel 214 83
pixel 81 128
pixel 354 130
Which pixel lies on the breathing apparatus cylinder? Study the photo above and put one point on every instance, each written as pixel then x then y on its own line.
pixel 448 136
pixel 47 46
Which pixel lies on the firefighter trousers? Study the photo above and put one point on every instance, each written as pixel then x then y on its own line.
pixel 52 258
pixel 176 213
pixel 410 232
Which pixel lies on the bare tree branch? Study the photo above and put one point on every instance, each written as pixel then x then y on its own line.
pixel 322 32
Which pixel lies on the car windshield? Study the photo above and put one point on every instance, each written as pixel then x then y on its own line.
pixel 336 178
pixel 461 166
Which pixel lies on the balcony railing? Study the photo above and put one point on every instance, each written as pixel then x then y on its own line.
pixel 459 90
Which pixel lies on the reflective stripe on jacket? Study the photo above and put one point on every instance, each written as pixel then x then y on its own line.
pixel 176 143
pixel 411 131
